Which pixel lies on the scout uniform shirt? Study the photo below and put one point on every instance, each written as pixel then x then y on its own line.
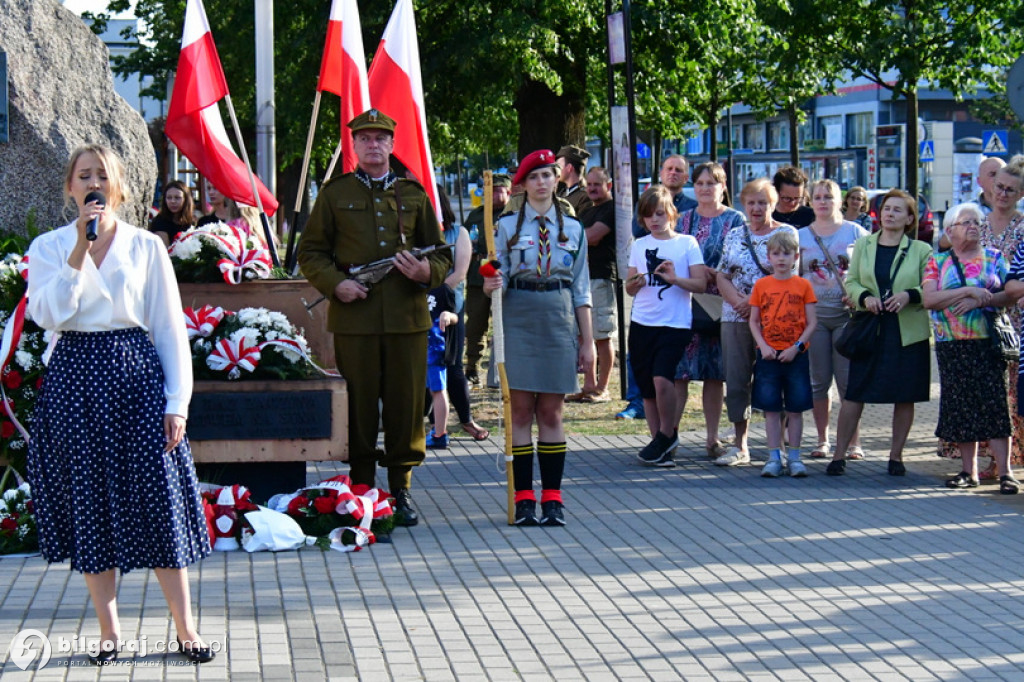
pixel 354 222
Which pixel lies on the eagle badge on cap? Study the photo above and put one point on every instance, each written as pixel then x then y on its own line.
pixel 373 114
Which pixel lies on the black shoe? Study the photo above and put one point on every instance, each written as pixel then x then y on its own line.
pixel 896 468
pixel 104 657
pixel 552 513
pixel 659 451
pixel 962 480
pixel 405 515
pixel 472 377
pixel 836 467
pixel 197 654
pixel 526 513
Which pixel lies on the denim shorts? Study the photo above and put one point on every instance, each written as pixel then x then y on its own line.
pixel 782 386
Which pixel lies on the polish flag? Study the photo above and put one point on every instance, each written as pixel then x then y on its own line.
pixel 193 122
pixel 343 71
pixel 396 90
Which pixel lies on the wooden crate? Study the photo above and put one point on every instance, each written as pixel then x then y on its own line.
pixel 269 421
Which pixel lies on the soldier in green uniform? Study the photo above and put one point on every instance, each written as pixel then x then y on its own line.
pixel 380 332
pixel 478 304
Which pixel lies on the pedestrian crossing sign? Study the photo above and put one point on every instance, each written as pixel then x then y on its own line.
pixel 927 151
pixel 994 142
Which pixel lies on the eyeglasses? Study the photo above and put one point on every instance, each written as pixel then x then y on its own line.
pixel 789 200
pixel 1003 189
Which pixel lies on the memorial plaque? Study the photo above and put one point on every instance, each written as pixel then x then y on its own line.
pixel 260 415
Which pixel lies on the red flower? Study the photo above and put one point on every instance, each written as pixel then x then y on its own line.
pixel 8 525
pixel 6 429
pixel 12 379
pixel 30 506
pixel 325 504
pixel 297 504
pixel 39 382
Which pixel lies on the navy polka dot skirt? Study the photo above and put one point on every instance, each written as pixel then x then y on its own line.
pixel 106 494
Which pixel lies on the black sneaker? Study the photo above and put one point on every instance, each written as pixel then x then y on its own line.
pixel 405 515
pixel 659 451
pixel 526 513
pixel 836 467
pixel 552 514
pixel 472 377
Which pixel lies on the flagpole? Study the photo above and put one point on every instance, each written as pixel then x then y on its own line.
pixel 289 258
pixel 334 161
pixel 272 246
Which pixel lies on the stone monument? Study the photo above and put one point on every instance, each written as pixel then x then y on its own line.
pixel 62 95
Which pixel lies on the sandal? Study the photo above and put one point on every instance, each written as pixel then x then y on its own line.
pixel 962 480
pixel 822 451
pixel 855 452
pixel 1008 485
pixel 716 449
pixel 477 432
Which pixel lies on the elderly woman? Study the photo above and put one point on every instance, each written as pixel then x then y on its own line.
pixel 885 279
pixel 855 207
pixel 709 223
pixel 1003 230
pixel 825 247
pixel 972 376
pixel 744 261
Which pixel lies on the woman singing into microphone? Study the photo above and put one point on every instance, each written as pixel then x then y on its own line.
pixel 111 471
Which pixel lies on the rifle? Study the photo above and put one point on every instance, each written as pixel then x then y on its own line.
pixel 373 272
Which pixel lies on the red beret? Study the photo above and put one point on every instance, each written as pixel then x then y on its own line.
pixel 542 158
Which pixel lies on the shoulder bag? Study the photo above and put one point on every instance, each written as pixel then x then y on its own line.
pixel 1002 335
pixel 706 311
pixel 858 338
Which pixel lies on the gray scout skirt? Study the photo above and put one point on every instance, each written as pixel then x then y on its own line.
pixel 541 347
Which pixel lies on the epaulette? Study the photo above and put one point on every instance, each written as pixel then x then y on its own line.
pixel 334 178
pixel 413 181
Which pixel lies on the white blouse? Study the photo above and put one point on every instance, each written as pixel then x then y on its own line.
pixel 134 286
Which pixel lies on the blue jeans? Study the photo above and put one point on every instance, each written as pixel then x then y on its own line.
pixel 633 397
pixel 782 386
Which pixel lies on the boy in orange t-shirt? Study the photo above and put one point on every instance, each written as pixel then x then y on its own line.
pixel 782 318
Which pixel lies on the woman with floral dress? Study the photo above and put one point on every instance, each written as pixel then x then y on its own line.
pixel 709 224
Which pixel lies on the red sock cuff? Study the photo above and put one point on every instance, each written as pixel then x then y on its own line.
pixel 550 495
pixel 525 495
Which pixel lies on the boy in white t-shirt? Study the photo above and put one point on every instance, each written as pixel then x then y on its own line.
pixel 664 268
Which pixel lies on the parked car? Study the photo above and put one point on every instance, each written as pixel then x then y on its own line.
pixel 925 217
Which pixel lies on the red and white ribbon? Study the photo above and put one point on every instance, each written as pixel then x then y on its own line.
pixel 235 265
pixel 234 356
pixel 202 322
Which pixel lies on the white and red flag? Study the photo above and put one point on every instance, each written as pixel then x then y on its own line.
pixel 194 123
pixel 396 89
pixel 343 71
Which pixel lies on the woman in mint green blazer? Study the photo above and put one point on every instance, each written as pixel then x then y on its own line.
pixel 885 276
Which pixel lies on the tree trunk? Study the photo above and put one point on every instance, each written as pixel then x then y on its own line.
pixel 547 120
pixel 912 142
pixel 794 136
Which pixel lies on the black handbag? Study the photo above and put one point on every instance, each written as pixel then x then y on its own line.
pixel 859 336
pixel 1004 338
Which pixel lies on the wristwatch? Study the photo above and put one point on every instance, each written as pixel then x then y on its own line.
pixel 801 346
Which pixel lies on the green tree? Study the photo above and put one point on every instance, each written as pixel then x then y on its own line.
pixel 957 45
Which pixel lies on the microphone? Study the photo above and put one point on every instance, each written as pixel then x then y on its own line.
pixel 90 229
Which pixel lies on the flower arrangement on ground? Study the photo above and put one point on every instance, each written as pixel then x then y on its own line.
pixel 23 375
pixel 253 343
pixel 18 531
pixel 220 252
pixel 358 510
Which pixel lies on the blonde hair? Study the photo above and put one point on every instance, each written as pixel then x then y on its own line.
pixel 783 240
pixel 118 192
pixel 837 195
pixel 759 185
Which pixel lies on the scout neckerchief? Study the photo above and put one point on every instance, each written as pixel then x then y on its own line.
pixel 543 246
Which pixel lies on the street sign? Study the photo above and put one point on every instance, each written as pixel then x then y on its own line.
pixel 995 142
pixel 872 167
pixel 1015 87
pixel 741 152
pixel 927 151
pixel 643 151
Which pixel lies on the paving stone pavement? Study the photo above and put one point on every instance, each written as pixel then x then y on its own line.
pixel 692 573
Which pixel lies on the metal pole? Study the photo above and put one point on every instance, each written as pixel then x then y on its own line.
pixel 266 152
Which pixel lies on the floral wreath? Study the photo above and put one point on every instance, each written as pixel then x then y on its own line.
pixel 218 251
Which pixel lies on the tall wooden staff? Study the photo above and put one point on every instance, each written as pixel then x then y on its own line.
pixel 489 269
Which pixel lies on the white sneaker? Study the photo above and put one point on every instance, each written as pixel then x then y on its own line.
pixel 772 468
pixel 733 457
pixel 796 468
